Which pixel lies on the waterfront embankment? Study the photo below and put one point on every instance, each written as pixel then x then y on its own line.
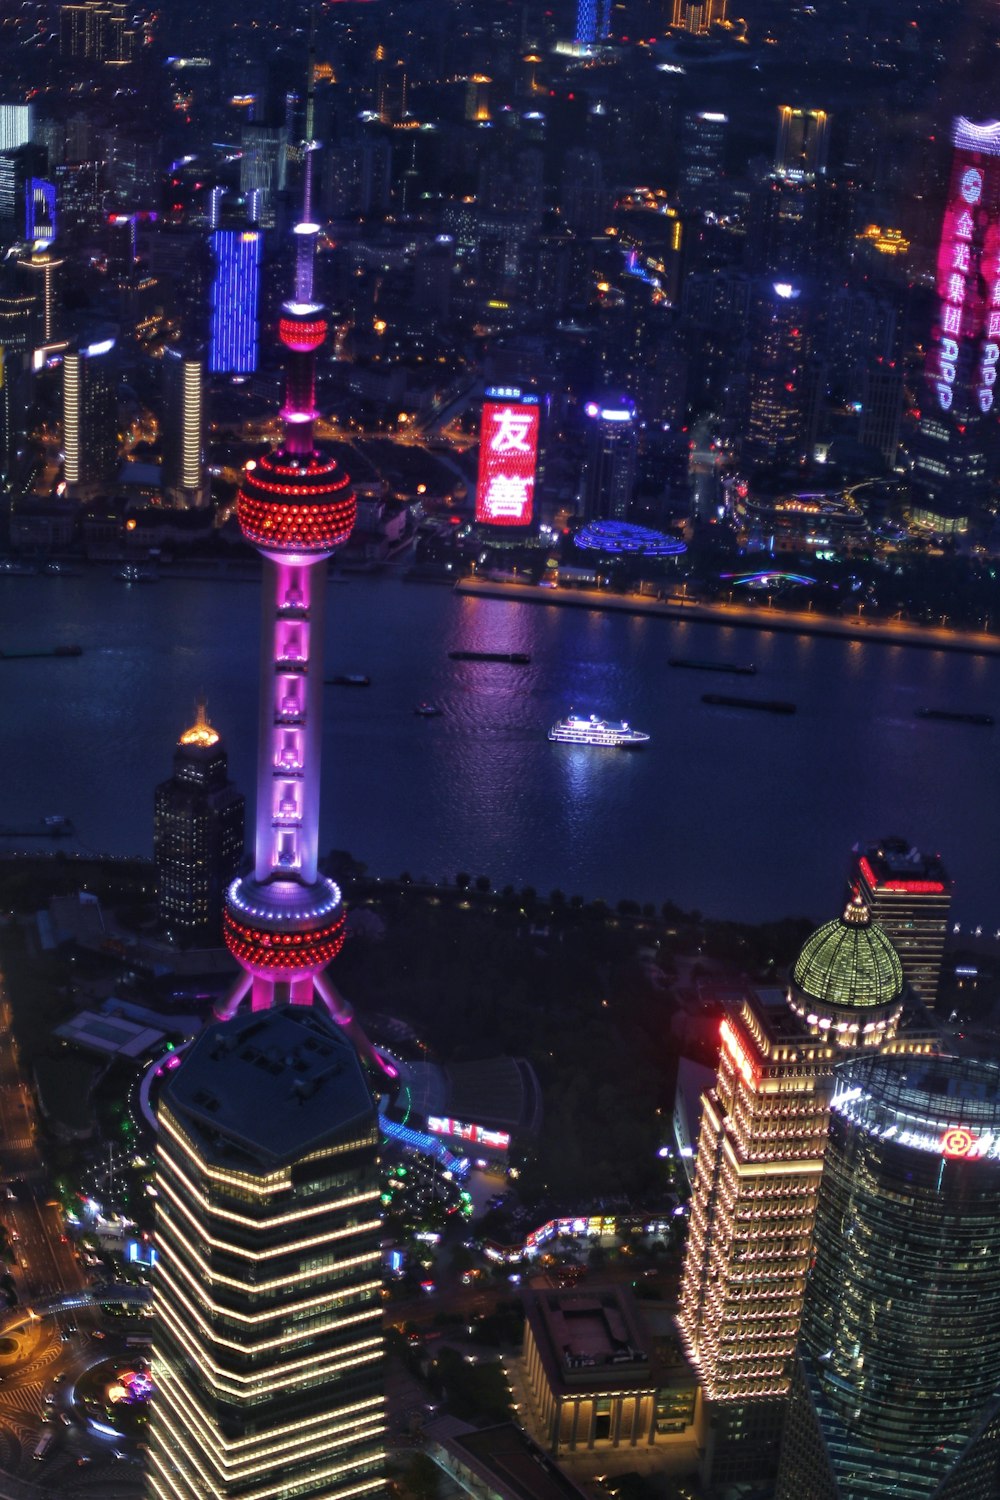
pixel 743 616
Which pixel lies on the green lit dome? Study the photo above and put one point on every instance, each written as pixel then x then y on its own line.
pixel 849 963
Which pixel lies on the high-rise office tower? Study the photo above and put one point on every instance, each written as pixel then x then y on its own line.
pixel 758 1166
pixel 776 373
pixel 883 394
pixel 41 275
pixel 477 99
pixel 264 168
pixel 584 198
pixel 15 125
pixel 235 301
pixel 698 16
pixel 612 451
pixel 909 895
pixel 14 395
pixel 39 212
pixel 267 1349
pixel 593 22
pixel 897 1386
pixel 183 427
pixel 197 836
pixel 955 446
pixel 803 142
pixel 703 144
pixel 97 31
pixel 90 416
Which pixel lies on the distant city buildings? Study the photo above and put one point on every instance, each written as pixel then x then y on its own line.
pixel 268 1334
pixel 897 1380
pixel 198 837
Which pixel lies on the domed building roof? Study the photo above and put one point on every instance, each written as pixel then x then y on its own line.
pixel 850 963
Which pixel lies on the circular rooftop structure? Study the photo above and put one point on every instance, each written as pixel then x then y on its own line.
pixel 623 539
pixel 848 979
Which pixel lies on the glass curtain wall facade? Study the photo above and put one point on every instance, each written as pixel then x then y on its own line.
pixel 896 1393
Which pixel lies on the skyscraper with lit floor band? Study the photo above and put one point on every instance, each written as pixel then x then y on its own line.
pixel 896 1393
pixel 758 1166
pixel 267 1350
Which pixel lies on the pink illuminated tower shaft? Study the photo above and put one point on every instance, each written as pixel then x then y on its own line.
pixel 285 922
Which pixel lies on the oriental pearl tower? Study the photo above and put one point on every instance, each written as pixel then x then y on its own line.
pixel 284 923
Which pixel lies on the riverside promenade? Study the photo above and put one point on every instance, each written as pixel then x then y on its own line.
pixel 743 616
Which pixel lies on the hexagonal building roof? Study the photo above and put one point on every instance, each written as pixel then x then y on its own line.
pixel 850 963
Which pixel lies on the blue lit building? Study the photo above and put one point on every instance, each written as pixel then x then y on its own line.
pixel 39 211
pixel 593 21
pixel 235 301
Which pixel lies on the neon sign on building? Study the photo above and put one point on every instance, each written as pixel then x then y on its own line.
pixel 475 1135
pixel 965 349
pixel 508 448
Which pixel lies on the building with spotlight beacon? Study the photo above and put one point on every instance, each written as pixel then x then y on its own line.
pixel 956 442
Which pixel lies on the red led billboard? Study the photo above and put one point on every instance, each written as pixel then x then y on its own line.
pixel 508 447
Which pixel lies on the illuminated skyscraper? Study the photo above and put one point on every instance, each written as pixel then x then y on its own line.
pixel 15 126
pixel 956 443
pixel 235 301
pixel 267 1345
pixel 97 31
pixel 183 427
pixel 909 895
pixel 802 143
pixel 197 836
pixel 593 21
pixel 897 1387
pixel 90 417
pixel 41 275
pixel 508 449
pixel 39 212
pixel 612 451
pixel 698 16
pixel 758 1166
pixel 776 373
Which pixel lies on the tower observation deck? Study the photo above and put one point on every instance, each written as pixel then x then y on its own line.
pixel 284 923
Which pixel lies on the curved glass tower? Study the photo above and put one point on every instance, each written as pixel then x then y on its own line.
pixel 899 1372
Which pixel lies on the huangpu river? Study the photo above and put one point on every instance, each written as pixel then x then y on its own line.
pixel 740 814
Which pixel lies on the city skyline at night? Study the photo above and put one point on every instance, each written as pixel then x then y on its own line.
pixel 532 1031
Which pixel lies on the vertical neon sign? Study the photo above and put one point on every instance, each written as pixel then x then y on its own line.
pixel 965 352
pixel 508 448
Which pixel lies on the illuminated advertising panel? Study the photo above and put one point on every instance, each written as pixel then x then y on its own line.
pixel 965 345
pixel 475 1135
pixel 508 448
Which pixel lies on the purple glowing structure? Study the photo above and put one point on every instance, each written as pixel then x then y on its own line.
pixel 284 923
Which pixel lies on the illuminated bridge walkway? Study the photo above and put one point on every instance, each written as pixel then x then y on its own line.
pixel 98 1296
